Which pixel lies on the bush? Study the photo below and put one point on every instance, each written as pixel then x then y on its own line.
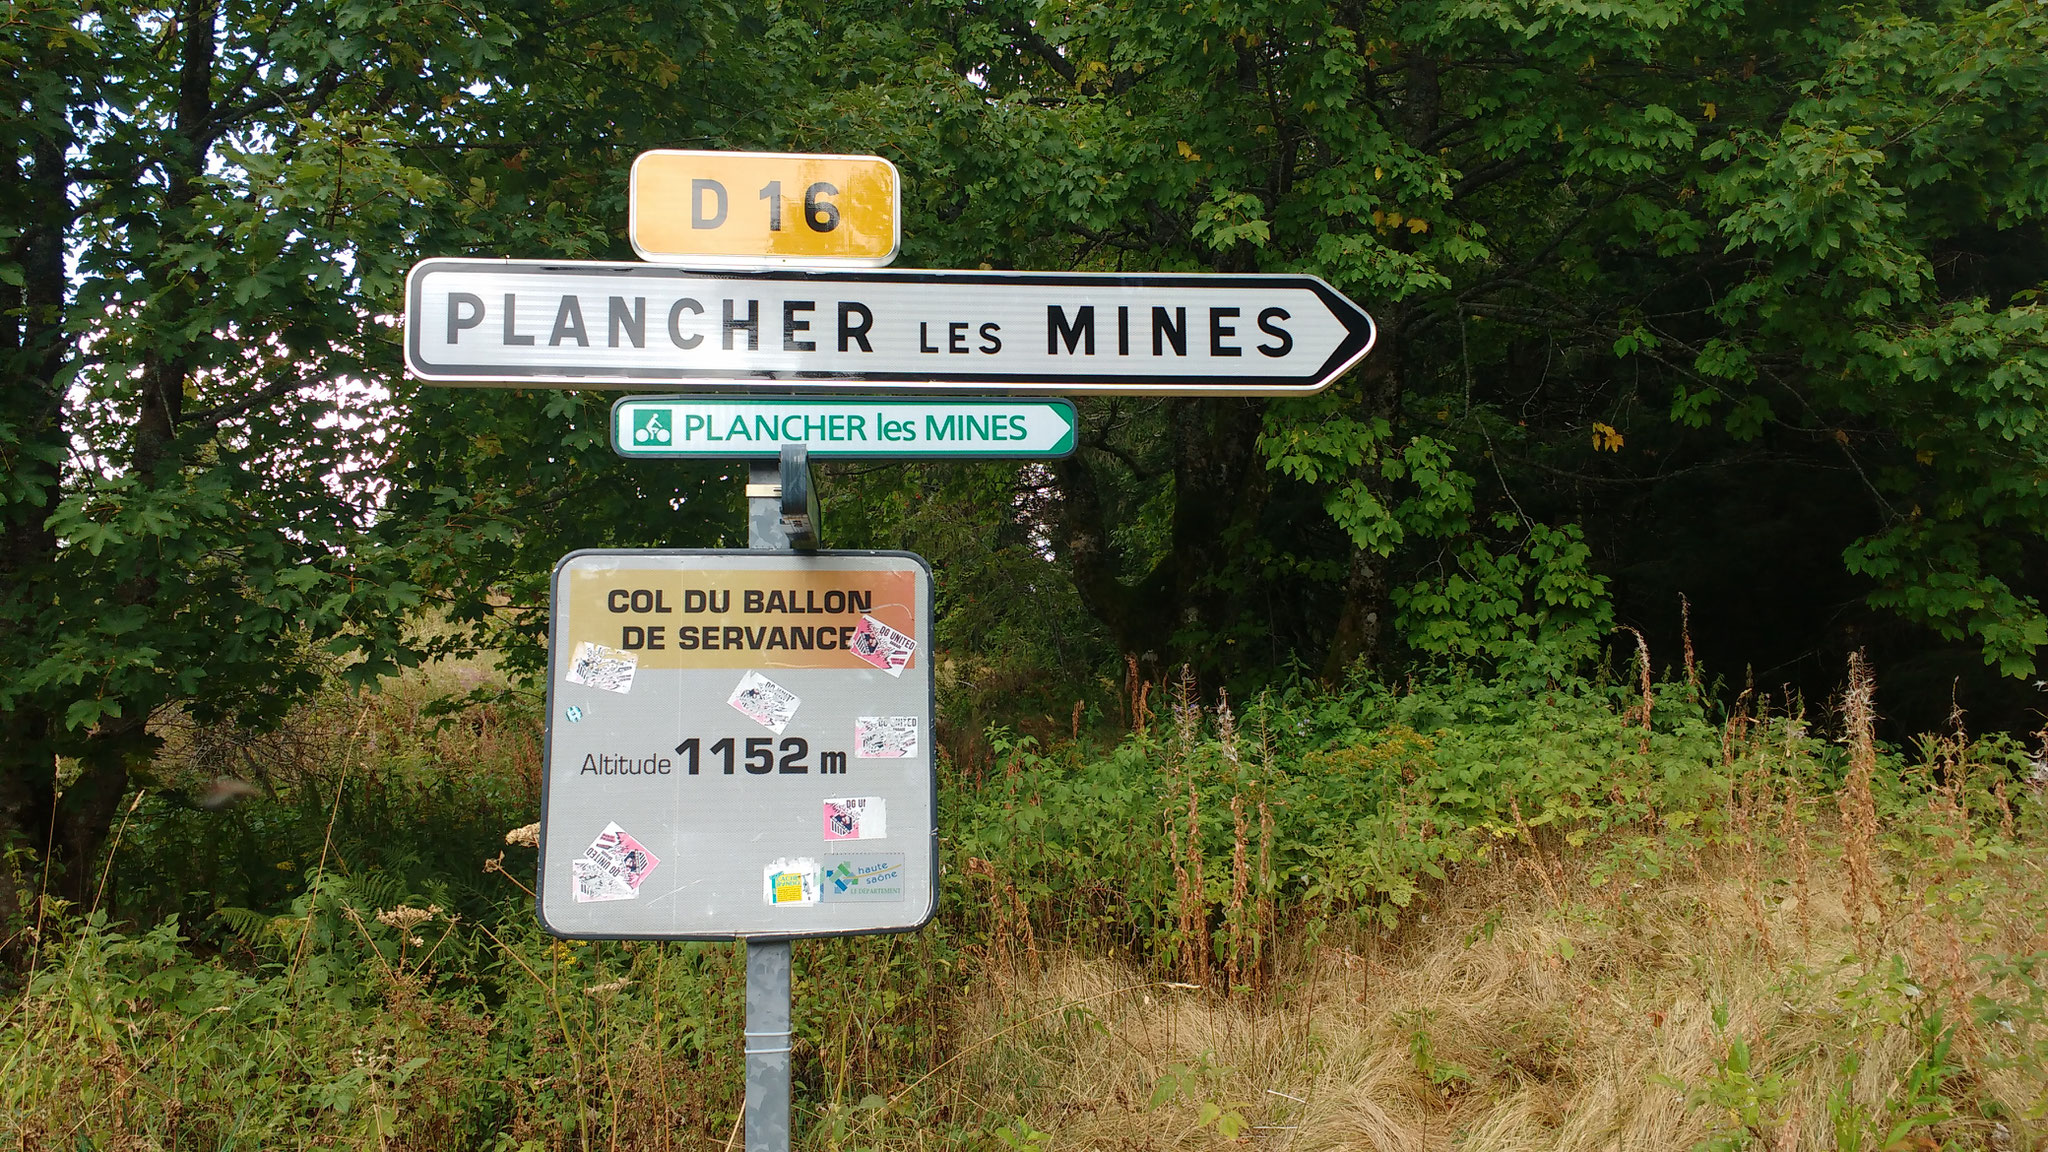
pixel 349 957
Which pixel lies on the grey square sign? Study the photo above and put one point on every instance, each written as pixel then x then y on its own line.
pixel 739 744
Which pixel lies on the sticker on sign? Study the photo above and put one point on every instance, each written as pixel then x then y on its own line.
pixel 639 325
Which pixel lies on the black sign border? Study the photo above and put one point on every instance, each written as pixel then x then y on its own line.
pixel 555 642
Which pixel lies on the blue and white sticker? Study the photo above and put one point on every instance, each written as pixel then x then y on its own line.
pixel 868 877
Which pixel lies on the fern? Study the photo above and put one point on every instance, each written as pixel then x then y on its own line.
pixel 256 929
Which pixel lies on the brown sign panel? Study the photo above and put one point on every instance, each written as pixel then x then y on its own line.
pixel 735 618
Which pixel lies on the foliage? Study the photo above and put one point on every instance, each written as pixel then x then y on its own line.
pixel 206 206
pixel 1637 272
pixel 329 965
pixel 1734 301
pixel 216 483
pixel 1653 254
pixel 1885 165
pixel 1374 796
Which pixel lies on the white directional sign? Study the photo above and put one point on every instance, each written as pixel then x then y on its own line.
pixel 520 323
pixel 697 427
pixel 738 744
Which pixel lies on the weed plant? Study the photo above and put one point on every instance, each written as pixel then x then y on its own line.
pixel 1471 912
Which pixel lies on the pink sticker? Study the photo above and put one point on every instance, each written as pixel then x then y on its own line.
pixel 882 646
pixel 612 867
pixel 856 818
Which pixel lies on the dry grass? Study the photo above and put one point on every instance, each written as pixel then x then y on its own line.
pixel 342 730
pixel 1499 1023
pixel 1518 1005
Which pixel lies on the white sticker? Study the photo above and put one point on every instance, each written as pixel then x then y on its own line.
pixel 764 701
pixel 597 666
pixel 790 883
pixel 884 737
pixel 857 818
pixel 882 646
pixel 612 867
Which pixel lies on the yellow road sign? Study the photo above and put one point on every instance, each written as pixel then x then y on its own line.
pixel 749 209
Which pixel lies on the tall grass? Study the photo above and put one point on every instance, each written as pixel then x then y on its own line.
pixel 1474 914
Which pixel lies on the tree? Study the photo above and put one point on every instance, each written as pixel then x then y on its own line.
pixel 1404 154
pixel 1776 256
pixel 1892 228
pixel 210 208
pixel 489 487
pixel 1673 299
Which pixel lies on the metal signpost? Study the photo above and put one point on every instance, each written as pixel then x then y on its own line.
pixel 739 743
pixel 739 746
pixel 710 427
pixel 520 323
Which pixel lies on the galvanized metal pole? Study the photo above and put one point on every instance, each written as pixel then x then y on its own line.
pixel 767 1028
pixel 767 1046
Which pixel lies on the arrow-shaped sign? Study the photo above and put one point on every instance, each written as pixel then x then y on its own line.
pixel 644 325
pixel 897 428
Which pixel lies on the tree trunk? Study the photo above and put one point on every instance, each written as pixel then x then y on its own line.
pixel 31 406
pixel 1216 488
pixel 70 826
pixel 1360 637
pixel 1132 616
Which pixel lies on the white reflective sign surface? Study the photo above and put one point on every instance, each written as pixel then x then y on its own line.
pixel 859 427
pixel 612 325
pixel 739 743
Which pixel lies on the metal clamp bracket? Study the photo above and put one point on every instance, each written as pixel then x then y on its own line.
pixel 800 513
pixel 752 1050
